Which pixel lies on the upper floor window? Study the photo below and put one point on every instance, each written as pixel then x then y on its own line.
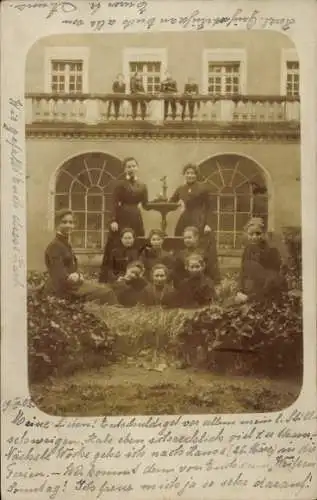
pixel 224 71
pixel 66 76
pixel 290 79
pixel 66 70
pixel 224 78
pixel 151 74
pixel 149 63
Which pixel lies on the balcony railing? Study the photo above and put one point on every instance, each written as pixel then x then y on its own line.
pixel 97 109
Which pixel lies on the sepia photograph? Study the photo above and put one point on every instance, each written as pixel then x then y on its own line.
pixel 164 250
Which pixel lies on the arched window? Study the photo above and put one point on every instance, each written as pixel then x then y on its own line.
pixel 240 192
pixel 85 184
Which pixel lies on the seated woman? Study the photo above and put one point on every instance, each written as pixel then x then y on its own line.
pixel 192 244
pixel 260 273
pixel 153 253
pixel 64 278
pixel 197 289
pixel 129 288
pixel 158 292
pixel 121 255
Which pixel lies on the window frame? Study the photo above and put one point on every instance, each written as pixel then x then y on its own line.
pixel 141 54
pixel 54 54
pixel 223 56
pixel 287 55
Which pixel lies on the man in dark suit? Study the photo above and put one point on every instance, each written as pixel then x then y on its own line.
pixel 169 86
pixel 118 87
pixel 136 87
pixel 191 89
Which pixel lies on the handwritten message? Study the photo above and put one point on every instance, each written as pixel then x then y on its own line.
pixel 156 455
pixel 71 14
pixel 12 139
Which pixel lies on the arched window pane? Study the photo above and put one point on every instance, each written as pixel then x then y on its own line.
pixel 86 183
pixel 78 201
pixel 94 221
pixel 239 192
pixel 61 201
pixel 78 239
pixel 78 187
pixel 227 203
pixel 243 203
pixel 94 203
pixel 94 176
pixel 80 220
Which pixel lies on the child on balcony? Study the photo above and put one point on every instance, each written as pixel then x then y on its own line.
pixel 193 244
pixel 120 256
pixel 158 292
pixel 153 252
pixel 196 289
pixel 129 288
pixel 260 273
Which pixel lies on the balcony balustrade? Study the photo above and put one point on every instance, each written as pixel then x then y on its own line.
pixel 103 109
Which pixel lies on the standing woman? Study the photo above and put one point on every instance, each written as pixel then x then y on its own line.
pixel 128 194
pixel 195 197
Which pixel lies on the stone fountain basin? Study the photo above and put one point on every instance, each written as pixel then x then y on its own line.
pixel 163 206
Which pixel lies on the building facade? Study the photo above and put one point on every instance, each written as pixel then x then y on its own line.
pixel 242 128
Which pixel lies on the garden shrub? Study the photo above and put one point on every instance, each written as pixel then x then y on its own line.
pixel 293 241
pixel 260 339
pixel 63 337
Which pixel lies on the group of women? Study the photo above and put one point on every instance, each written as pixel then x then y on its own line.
pixel 131 274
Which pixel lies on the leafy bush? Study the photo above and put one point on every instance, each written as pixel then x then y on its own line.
pixel 262 339
pixel 293 241
pixel 63 337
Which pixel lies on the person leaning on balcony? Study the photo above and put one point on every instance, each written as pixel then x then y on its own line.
pixel 118 87
pixel 136 88
pixel 169 86
pixel 191 89
pixel 128 194
pixel 65 280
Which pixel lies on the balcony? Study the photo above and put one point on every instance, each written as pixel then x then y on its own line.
pixel 203 115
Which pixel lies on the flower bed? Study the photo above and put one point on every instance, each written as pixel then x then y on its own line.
pixel 63 337
pixel 263 339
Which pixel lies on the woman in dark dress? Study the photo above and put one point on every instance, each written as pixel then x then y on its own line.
pixel 65 280
pixel 196 199
pixel 128 194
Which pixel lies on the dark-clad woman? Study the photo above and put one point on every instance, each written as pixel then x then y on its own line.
pixel 196 199
pixel 65 280
pixel 128 194
pixel 197 212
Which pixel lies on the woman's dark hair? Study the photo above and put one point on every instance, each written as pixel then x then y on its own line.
pixel 196 257
pixel 158 232
pixel 160 266
pixel 191 166
pixel 136 263
pixel 60 214
pixel 192 229
pixel 127 230
pixel 126 160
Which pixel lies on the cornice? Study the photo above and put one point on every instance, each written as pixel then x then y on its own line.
pixel 257 132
